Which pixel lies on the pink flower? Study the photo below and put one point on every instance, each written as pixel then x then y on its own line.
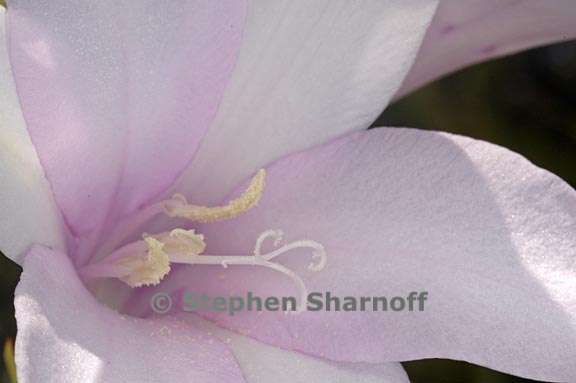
pixel 109 108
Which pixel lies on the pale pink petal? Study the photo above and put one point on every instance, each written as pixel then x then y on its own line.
pixel 488 235
pixel 29 214
pixel 262 363
pixel 471 31
pixel 65 336
pixel 117 94
pixel 307 71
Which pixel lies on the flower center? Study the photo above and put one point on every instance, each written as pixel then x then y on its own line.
pixel 147 261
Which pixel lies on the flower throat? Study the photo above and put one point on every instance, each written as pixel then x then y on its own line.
pixel 147 261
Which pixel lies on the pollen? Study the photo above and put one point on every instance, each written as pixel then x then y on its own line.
pixel 148 269
pixel 178 206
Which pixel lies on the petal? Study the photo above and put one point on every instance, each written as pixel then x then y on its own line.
pixel 467 32
pixel 307 71
pixel 64 336
pixel 29 214
pixel 261 363
pixel 117 96
pixel 488 235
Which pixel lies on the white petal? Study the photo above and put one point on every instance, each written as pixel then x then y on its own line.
pixel 29 214
pixel 117 95
pixel 487 234
pixel 308 71
pixel 262 363
pixel 466 32
pixel 65 336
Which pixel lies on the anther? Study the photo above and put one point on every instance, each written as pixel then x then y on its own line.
pixel 178 206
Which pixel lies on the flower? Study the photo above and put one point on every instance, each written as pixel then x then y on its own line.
pixel 134 117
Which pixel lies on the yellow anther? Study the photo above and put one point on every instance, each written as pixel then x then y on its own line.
pixel 148 261
pixel 148 269
pixel 178 206
pixel 183 241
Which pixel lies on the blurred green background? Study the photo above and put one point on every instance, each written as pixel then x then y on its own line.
pixel 525 102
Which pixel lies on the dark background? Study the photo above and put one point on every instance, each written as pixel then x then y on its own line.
pixel 525 102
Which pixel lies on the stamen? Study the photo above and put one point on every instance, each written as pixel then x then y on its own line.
pixel 148 270
pixel 183 241
pixel 178 206
pixel 146 262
